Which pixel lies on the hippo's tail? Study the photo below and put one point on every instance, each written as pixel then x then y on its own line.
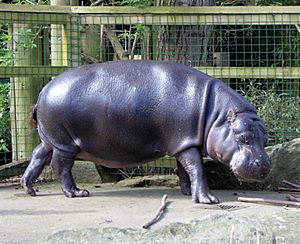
pixel 32 119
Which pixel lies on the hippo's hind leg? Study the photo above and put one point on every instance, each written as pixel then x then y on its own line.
pixel 62 164
pixel 191 161
pixel 184 179
pixel 41 156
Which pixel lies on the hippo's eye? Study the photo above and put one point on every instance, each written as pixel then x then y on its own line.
pixel 245 138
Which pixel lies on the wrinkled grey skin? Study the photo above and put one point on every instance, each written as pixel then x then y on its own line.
pixel 126 113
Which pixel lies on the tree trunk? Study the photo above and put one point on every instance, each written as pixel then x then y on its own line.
pixel 91 43
pixel 189 44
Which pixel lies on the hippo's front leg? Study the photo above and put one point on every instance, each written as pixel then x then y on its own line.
pixel 191 161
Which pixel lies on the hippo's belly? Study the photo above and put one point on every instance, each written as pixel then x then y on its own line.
pixel 119 160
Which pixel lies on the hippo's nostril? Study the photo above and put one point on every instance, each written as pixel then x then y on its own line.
pixel 257 163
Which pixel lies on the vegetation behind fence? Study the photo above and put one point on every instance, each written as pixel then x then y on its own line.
pixel 255 50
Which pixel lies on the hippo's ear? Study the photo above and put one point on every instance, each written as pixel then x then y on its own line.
pixel 231 115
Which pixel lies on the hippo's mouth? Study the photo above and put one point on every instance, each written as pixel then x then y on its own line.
pixel 242 175
pixel 250 172
pixel 246 175
pixel 247 180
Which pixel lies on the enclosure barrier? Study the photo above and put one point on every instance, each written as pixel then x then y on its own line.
pixel 256 50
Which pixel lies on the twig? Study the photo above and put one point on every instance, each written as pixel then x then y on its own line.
pixel 231 234
pixel 291 184
pixel 269 201
pixel 158 213
pixel 288 189
pixel 107 221
pixel 133 46
pixel 30 2
pixel 297 27
pixel 127 175
pixel 97 2
pixel 124 173
pixel 89 59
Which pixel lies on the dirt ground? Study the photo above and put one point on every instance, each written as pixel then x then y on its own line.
pixel 25 219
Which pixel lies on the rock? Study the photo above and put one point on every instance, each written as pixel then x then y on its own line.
pixel 217 228
pixel 285 166
pixel 86 172
pixel 83 172
pixel 151 180
pixel 285 163
pixel 220 176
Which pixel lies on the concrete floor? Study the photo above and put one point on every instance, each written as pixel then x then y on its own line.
pixel 25 219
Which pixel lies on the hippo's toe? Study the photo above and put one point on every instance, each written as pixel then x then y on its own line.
pixel 76 192
pixel 206 198
pixel 82 193
pixel 27 186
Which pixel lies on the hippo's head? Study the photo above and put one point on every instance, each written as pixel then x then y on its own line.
pixel 239 142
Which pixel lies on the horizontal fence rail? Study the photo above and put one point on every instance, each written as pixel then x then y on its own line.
pixel 255 50
pixel 218 72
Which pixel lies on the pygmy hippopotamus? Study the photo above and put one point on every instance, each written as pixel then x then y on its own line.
pixel 125 113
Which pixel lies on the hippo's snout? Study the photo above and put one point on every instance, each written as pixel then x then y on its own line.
pixel 249 169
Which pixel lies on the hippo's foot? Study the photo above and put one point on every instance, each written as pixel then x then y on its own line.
pixel 205 198
pixel 27 187
pixel 76 192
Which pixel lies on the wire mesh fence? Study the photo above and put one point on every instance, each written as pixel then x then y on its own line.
pixel 256 51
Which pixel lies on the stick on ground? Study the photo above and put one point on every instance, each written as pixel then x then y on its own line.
pixel 269 201
pixel 291 184
pixel 293 198
pixel 158 213
pixel 288 189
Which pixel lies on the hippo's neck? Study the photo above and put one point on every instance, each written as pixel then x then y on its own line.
pixel 204 110
pixel 219 99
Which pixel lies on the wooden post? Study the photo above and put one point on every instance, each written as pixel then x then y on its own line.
pixel 59 40
pixel 65 39
pixel 24 90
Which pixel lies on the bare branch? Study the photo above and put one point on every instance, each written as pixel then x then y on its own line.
pixel 97 2
pixel 269 201
pixel 89 59
pixel 289 189
pixel 159 212
pixel 133 46
pixel 291 184
pixel 293 198
pixel 30 2
pixel 118 48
